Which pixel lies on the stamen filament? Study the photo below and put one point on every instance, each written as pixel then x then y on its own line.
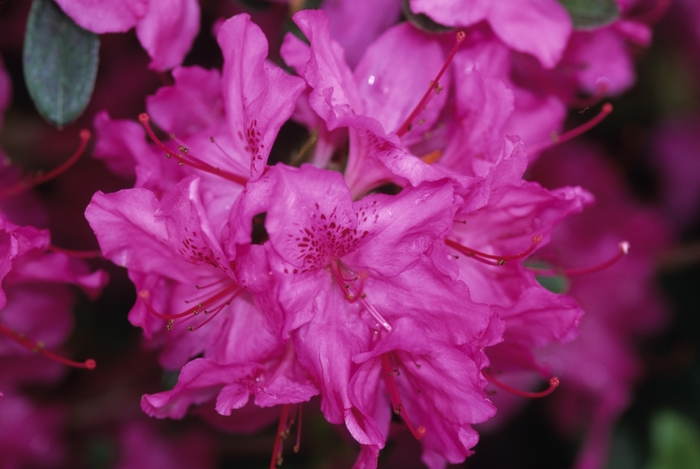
pixel 493 259
pixel 553 384
pixel 38 347
pixel 434 85
pixel 395 397
pixel 282 433
pixel 28 182
pixel 573 133
pixel 191 160
pixel 297 444
pixel 232 290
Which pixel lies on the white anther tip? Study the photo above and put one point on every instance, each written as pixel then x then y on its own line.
pixel 625 247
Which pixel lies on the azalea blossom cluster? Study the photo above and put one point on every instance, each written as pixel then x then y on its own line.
pixel 397 264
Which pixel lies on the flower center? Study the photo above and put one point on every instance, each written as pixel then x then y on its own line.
pixel 352 287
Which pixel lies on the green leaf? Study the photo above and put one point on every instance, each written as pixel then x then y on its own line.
pixel 590 14
pixel 675 442
pixel 60 63
pixel 554 283
pixel 422 21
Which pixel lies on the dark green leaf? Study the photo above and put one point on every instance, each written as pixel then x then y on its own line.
pixel 554 283
pixel 421 21
pixel 60 63
pixel 590 14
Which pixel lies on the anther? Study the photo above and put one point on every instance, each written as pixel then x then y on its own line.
pixel 573 133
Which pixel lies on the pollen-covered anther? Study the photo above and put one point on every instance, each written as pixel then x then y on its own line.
pixel 185 158
pixel 40 348
pixel 492 259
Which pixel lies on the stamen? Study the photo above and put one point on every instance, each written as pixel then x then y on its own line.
pixel 602 87
pixel 623 250
pixel 215 302
pixel 434 85
pixel 297 445
pixel 394 396
pixel 30 181
pixel 353 292
pixel 185 158
pixel 38 347
pixel 226 154
pixel 553 384
pixel 573 133
pixel 213 313
pixel 76 254
pixel 283 429
pixel 492 259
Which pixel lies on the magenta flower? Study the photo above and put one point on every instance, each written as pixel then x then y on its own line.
pixel 537 27
pixel 35 303
pixel 600 368
pixel 165 28
pixel 29 434
pixel 375 102
pixel 344 273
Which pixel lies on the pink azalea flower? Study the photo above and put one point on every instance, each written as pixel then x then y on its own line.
pixel 35 303
pixel 344 272
pixel 165 28
pixel 537 27
pixel 356 25
pixel 169 231
pixel 29 434
pixel 374 101
pixel 622 304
